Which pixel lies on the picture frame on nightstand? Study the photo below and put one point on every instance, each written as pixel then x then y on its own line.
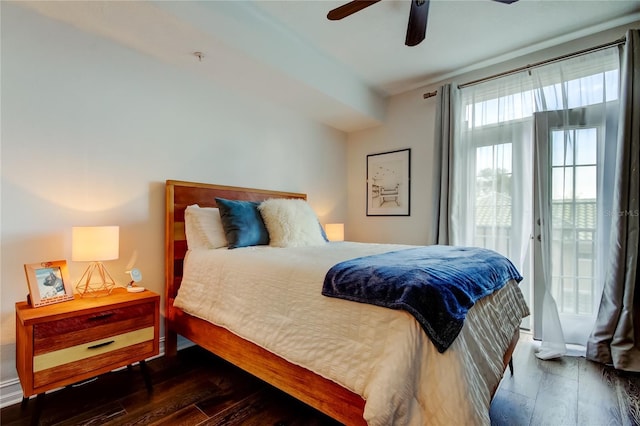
pixel 48 282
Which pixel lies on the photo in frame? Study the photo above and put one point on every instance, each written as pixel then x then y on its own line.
pixel 48 282
pixel 389 183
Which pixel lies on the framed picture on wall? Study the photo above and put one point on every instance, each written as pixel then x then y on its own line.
pixel 48 282
pixel 388 183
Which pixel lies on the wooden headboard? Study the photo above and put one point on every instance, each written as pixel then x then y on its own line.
pixel 179 195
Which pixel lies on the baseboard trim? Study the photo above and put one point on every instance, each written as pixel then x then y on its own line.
pixel 11 390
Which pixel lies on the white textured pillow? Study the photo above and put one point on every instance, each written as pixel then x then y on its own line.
pixel 203 228
pixel 291 223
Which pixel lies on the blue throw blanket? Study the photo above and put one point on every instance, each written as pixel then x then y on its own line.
pixel 436 284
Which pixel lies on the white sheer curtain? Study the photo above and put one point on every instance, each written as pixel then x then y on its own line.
pixel 492 179
pixel 496 154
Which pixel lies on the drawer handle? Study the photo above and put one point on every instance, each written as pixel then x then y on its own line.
pixel 101 316
pixel 100 345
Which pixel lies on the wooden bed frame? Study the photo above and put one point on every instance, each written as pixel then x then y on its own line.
pixel 316 391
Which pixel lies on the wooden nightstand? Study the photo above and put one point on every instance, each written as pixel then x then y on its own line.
pixel 69 342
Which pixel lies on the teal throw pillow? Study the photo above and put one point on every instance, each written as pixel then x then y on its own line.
pixel 242 223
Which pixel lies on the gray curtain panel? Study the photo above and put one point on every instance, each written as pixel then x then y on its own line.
pixel 443 157
pixel 616 336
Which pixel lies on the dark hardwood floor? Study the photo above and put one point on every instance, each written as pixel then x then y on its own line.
pixel 196 388
pixel 566 391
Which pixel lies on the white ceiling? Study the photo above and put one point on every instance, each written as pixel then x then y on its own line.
pixel 337 72
pixel 460 33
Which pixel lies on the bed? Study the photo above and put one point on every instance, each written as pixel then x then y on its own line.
pixel 348 400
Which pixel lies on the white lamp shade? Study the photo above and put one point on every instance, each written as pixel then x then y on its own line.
pixel 95 243
pixel 334 231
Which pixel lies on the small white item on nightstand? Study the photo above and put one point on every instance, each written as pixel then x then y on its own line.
pixel 136 276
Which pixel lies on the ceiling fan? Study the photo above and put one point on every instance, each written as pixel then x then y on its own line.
pixel 417 26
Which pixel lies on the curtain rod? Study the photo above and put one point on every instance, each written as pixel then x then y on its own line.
pixel 537 64
pixel 548 61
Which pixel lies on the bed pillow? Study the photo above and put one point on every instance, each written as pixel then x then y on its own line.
pixel 203 228
pixel 291 223
pixel 242 223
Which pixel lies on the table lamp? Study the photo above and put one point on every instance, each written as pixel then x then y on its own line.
pixel 334 231
pixel 95 244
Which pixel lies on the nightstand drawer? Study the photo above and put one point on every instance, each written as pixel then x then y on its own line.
pixel 93 355
pixel 67 373
pixel 97 347
pixel 71 332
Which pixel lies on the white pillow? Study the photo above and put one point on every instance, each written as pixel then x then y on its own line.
pixel 291 223
pixel 203 228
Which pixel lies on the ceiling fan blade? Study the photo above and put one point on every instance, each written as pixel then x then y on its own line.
pixel 349 9
pixel 506 1
pixel 417 27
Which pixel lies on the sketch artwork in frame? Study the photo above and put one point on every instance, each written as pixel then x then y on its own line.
pixel 388 183
pixel 48 282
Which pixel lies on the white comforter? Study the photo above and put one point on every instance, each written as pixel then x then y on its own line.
pixel 271 296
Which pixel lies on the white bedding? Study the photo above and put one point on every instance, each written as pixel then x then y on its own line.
pixel 271 296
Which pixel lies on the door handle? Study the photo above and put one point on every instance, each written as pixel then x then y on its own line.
pixel 100 345
pixel 101 316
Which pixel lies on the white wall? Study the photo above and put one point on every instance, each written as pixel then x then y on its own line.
pixel 410 124
pixel 90 132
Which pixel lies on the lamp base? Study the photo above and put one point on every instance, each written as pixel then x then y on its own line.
pixel 102 286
